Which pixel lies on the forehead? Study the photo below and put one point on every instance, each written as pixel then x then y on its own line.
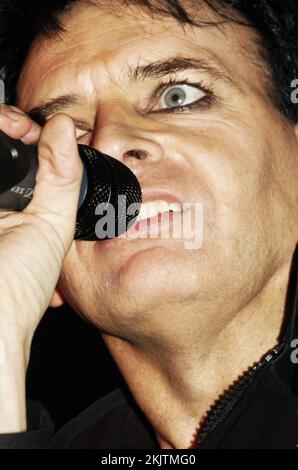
pixel 100 42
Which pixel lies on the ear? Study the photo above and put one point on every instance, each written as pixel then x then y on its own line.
pixel 58 298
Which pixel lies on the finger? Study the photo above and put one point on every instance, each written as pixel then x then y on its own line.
pixel 16 124
pixel 59 176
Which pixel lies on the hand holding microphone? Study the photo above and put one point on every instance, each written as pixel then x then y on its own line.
pixel 34 241
pixel 105 181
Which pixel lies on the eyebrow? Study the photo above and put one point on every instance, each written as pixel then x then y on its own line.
pixel 157 69
pixel 43 111
pixel 161 68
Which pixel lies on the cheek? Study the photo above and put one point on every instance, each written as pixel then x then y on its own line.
pixel 220 168
pixel 228 166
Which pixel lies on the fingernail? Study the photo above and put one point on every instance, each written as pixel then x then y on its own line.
pixel 14 115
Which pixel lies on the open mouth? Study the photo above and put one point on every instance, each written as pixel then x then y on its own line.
pixel 154 220
pixel 152 209
pixel 157 218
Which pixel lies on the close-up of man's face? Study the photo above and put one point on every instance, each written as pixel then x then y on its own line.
pixel 196 103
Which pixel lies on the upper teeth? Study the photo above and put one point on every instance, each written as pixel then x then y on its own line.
pixel 153 208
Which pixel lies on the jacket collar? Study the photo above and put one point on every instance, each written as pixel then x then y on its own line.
pixel 290 329
pixel 284 365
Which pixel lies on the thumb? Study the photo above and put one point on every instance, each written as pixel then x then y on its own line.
pixel 58 180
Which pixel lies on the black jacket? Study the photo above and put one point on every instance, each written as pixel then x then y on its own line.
pixel 259 411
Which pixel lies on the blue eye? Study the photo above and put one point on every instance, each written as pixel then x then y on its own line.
pixel 181 95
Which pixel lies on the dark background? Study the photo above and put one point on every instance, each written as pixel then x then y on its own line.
pixel 70 366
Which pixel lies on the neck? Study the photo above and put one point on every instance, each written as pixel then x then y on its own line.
pixel 177 378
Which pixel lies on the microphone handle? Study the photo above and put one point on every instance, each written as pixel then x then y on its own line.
pixel 19 196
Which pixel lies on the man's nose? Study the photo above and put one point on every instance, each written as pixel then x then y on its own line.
pixel 132 145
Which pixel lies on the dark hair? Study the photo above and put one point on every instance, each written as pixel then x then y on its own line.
pixel 275 21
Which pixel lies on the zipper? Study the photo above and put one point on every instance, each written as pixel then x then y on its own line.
pixel 224 404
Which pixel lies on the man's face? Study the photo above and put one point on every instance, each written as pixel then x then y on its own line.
pixel 222 144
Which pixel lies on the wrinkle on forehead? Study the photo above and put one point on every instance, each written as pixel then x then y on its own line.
pixel 76 22
pixel 93 36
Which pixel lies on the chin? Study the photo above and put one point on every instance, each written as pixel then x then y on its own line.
pixel 151 279
pixel 139 281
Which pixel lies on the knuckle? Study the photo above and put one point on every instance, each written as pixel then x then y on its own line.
pixel 45 149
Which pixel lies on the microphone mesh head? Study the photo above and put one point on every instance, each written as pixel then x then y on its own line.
pixel 111 185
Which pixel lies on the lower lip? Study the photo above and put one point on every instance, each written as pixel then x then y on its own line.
pixel 154 227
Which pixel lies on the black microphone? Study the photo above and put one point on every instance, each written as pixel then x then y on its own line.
pixel 106 181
